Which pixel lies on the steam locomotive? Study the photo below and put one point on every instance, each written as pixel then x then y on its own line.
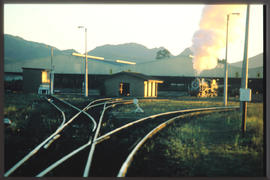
pixel 203 88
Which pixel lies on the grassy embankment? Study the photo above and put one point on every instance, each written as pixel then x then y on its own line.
pixel 209 145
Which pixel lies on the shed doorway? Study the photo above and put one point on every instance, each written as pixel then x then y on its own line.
pixel 124 89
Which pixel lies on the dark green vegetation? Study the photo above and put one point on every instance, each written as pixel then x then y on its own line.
pixel 33 120
pixel 27 110
pixel 209 145
pixel 163 53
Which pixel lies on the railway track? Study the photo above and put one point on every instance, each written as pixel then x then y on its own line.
pixel 73 119
pixel 77 147
pixel 116 149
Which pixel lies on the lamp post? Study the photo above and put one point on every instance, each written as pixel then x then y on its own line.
pixel 52 72
pixel 226 64
pixel 86 66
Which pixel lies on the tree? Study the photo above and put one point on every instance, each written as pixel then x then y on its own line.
pixel 221 61
pixel 163 53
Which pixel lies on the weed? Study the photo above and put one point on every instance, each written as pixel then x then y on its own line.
pixel 209 145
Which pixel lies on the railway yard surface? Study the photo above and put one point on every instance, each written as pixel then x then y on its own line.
pixel 73 136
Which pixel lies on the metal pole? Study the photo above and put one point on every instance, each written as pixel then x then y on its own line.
pixel 226 65
pixel 52 73
pixel 244 81
pixel 86 66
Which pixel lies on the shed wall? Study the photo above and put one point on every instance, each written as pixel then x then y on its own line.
pixel 31 80
pixel 136 86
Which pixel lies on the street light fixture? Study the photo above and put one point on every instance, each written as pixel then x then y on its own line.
pixel 226 64
pixel 86 66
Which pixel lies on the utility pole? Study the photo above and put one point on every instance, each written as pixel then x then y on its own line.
pixel 244 81
pixel 52 72
pixel 226 65
pixel 86 66
pixel 226 61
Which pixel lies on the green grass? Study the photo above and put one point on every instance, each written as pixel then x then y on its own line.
pixel 209 145
pixel 21 109
pixel 18 107
pixel 155 106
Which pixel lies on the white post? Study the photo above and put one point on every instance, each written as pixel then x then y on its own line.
pixel 226 66
pixel 52 72
pixel 244 80
pixel 86 66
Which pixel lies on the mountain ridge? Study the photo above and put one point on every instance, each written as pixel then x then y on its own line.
pixel 22 53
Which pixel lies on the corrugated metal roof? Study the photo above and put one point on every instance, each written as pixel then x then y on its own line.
pixel 137 75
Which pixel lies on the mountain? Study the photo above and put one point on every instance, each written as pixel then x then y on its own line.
pixel 187 52
pixel 128 51
pixel 69 51
pixel 253 62
pixel 17 49
pixel 21 53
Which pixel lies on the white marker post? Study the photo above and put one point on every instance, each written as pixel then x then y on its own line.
pixel 138 109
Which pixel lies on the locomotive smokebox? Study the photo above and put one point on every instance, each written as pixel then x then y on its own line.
pixel 201 87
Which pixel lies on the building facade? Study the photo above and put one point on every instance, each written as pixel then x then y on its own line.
pixel 33 78
pixel 131 84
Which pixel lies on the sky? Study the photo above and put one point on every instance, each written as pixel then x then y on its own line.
pixel 169 26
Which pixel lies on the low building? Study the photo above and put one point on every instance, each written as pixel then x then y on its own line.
pixel 131 84
pixel 34 78
pixel 12 76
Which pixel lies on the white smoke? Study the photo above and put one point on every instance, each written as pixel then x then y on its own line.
pixel 210 39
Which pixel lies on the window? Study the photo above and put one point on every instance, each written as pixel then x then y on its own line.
pixel 150 89
pixel 45 77
pixel 145 88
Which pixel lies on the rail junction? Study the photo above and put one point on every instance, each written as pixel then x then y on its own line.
pixel 97 153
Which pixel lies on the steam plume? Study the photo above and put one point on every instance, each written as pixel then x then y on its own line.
pixel 210 39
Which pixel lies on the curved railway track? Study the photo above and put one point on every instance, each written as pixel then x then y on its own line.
pixel 116 149
pixel 28 164
pixel 77 147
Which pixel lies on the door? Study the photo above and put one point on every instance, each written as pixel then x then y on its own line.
pixel 124 89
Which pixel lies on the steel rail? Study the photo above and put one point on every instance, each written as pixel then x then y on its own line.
pixel 64 120
pixel 87 107
pixel 37 148
pixel 112 102
pixel 91 152
pixel 124 168
pixel 62 112
pixel 82 111
pixel 92 102
pixel 63 159
pixel 107 135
